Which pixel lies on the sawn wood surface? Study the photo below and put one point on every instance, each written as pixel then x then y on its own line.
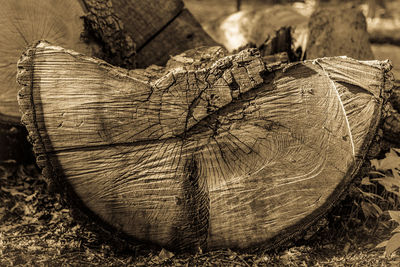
pixel 108 29
pixel 212 151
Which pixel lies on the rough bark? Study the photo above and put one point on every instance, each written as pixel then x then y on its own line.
pixel 159 28
pixel 208 153
pixel 102 23
pixel 280 41
pixel 338 31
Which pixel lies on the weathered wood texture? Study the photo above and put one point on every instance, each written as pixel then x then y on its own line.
pixel 338 31
pixel 160 29
pixel 211 153
pixel 107 29
pixel 25 21
pixel 342 31
pixel 147 18
pixel 103 24
pixel 100 28
pixel 181 34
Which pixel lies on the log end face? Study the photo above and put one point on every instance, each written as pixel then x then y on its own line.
pixel 202 189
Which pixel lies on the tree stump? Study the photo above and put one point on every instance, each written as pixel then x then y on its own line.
pixel 102 28
pixel 213 151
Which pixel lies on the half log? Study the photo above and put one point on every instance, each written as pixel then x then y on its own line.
pixel 217 152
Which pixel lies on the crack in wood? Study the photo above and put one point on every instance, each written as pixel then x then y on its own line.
pixel 341 105
pixel 222 155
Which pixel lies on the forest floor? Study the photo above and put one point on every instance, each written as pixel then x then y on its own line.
pixel 36 229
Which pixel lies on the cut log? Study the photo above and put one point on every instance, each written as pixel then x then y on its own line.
pixel 26 21
pixel 224 154
pixel 280 42
pixel 160 29
pixel 100 28
pixel 338 31
pixel 179 35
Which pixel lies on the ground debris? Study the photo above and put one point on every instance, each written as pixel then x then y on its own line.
pixel 37 229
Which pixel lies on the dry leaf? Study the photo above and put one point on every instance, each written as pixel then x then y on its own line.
pixel 366 181
pixel 390 162
pixel 382 244
pixel 13 192
pixel 165 255
pixel 395 215
pixel 390 183
pixel 393 244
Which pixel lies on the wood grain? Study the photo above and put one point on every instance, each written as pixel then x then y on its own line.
pixel 26 21
pixel 225 155
pixel 107 29
pixel 181 34
pixel 144 19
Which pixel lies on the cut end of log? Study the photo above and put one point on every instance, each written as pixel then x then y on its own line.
pixel 229 154
pixel 27 21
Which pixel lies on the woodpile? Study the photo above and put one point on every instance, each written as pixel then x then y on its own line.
pixel 211 151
